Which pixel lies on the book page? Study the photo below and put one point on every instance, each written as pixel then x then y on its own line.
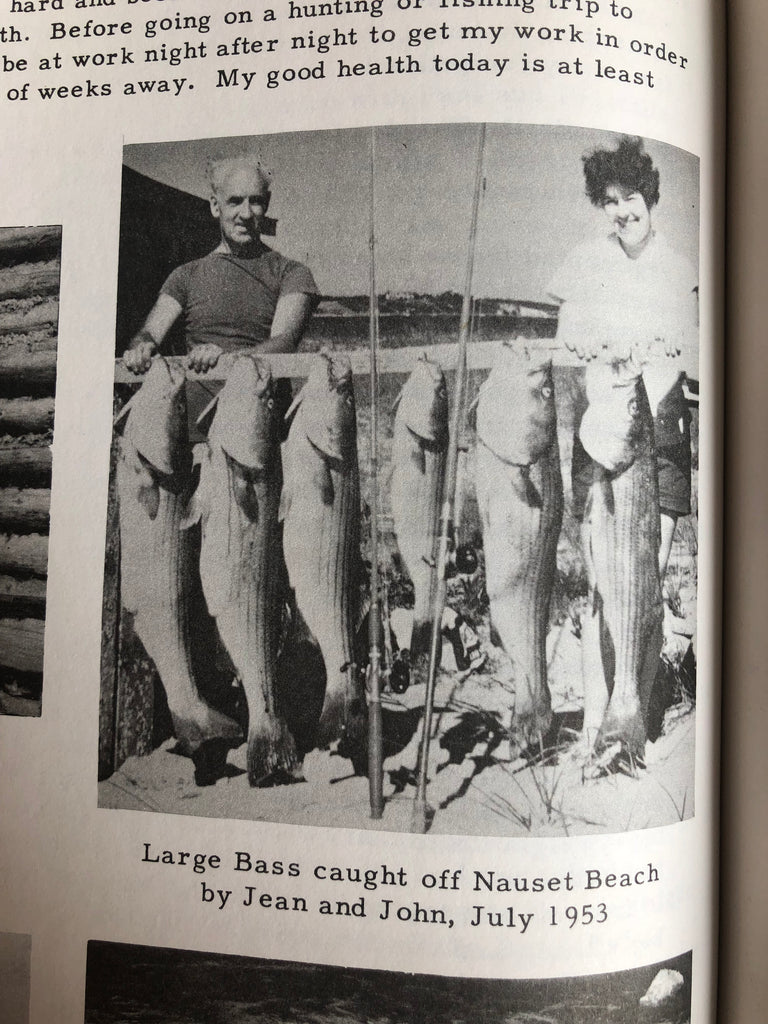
pixel 363 628
pixel 744 893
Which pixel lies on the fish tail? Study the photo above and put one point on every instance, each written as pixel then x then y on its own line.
pixel 271 749
pixel 354 741
pixel 421 637
pixel 201 724
pixel 332 718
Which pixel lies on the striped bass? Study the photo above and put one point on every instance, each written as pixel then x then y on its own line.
pixel 419 447
pixel 156 555
pixel 320 509
pixel 520 498
pixel 623 636
pixel 237 501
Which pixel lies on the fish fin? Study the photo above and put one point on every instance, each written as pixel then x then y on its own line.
pixel 123 413
pixel 201 455
pixel 193 513
pixel 419 458
pixel 147 489
pixel 285 503
pixel 204 419
pixel 525 487
pixel 149 497
pixel 245 493
pixel 393 407
pixel 608 498
pixel 471 416
pixel 295 405
pixel 324 483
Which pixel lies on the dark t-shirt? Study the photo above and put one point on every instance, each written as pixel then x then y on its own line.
pixel 230 301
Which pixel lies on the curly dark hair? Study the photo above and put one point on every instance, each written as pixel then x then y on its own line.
pixel 628 167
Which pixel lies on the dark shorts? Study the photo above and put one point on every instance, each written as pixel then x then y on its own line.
pixel 673 467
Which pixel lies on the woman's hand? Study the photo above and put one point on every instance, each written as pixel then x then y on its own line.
pixel 671 343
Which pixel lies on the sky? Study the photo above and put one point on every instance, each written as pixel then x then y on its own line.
pixel 533 210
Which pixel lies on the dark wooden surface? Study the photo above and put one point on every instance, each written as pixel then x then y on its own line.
pixel 26 415
pixel 25 466
pixel 29 309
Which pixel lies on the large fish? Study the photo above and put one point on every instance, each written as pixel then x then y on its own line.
pixel 520 498
pixel 237 500
pixel 156 555
pixel 321 537
pixel 419 447
pixel 623 636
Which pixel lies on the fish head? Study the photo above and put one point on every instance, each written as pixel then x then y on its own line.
pixel 423 403
pixel 156 422
pixel 516 406
pixel 617 425
pixel 246 424
pixel 328 408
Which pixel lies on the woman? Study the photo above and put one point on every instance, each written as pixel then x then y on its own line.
pixel 627 293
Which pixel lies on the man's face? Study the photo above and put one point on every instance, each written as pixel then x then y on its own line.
pixel 239 204
pixel 630 217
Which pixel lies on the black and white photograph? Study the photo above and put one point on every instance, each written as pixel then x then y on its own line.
pixel 150 983
pixel 402 518
pixel 30 263
pixel 15 951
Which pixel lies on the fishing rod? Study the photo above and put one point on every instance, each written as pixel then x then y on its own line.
pixel 421 814
pixel 375 737
pixel 465 555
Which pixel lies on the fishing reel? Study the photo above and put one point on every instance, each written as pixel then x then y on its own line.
pixel 465 559
pixel 400 671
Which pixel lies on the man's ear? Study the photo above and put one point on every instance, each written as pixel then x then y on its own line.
pixel 214 202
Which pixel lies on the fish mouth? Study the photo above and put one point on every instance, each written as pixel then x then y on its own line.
pixel 515 417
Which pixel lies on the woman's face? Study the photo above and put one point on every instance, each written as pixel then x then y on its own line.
pixel 629 216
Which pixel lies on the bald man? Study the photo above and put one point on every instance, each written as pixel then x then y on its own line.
pixel 243 295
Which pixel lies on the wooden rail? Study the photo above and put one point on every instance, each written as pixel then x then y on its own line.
pixel 480 356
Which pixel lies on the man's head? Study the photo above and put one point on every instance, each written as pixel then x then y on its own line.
pixel 624 183
pixel 240 194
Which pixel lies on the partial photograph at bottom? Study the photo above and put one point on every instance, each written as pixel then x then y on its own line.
pixel 15 954
pixel 149 983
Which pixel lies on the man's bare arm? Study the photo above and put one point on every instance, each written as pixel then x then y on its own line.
pixel 292 315
pixel 138 356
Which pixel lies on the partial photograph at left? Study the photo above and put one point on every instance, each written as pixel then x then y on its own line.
pixel 15 951
pixel 30 264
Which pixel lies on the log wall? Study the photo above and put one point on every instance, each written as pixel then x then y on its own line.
pixel 30 263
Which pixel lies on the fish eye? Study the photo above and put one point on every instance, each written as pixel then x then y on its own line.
pixel 546 391
pixel 270 403
pixel 632 407
pixel 348 399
